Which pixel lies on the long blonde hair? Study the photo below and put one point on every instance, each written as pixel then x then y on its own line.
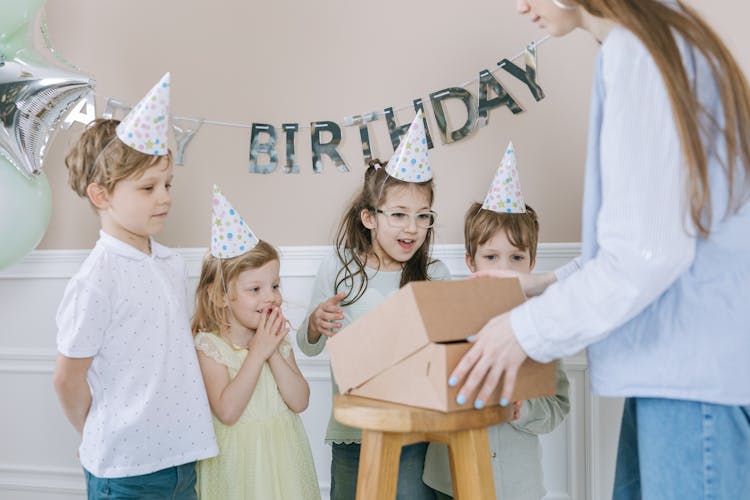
pixel 656 24
pixel 218 277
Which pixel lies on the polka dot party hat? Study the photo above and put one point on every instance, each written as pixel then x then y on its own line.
pixel 410 162
pixel 230 236
pixel 145 127
pixel 505 194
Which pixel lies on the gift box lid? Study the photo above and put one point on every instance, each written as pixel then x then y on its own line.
pixel 416 315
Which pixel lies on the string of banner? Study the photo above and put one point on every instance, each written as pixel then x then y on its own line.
pixel 491 94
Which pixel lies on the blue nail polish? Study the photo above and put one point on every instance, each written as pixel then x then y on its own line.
pixel 452 381
pixel 503 402
pixel 478 404
pixel 460 399
pixel 469 338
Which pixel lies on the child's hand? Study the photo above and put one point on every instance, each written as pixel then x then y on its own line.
pixel 271 331
pixel 517 410
pixel 324 320
pixel 531 284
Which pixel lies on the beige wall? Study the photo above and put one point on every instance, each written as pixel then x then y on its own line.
pixel 295 60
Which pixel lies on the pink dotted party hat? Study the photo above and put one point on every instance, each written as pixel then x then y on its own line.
pixel 230 236
pixel 505 194
pixel 410 162
pixel 145 127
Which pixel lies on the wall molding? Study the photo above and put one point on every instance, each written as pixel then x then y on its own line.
pixel 58 480
pixel 297 261
pixel 63 481
pixel 42 362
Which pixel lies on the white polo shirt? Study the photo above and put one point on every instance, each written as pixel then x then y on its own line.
pixel 149 409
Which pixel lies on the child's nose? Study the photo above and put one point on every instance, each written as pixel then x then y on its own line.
pixel 503 265
pixel 165 196
pixel 411 226
pixel 522 7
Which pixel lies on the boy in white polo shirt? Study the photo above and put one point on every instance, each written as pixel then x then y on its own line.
pixel 127 375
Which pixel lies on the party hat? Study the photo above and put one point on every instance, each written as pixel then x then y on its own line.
pixel 410 162
pixel 230 236
pixel 505 194
pixel 145 127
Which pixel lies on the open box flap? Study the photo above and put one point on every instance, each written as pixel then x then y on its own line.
pixel 377 340
pixel 453 310
pixel 411 381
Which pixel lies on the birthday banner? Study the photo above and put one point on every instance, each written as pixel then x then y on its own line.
pixel 490 94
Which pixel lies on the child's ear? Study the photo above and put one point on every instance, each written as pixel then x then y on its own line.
pixel 470 264
pixel 368 218
pixel 98 195
pixel 533 263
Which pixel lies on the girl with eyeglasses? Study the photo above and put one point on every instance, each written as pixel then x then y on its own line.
pixel 383 242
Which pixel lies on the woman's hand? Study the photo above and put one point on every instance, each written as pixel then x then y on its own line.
pixel 531 284
pixel 324 320
pixel 496 353
pixel 271 331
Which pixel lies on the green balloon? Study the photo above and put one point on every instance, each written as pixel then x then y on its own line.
pixel 25 209
pixel 15 15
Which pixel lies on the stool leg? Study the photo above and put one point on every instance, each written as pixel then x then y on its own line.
pixel 471 467
pixel 378 465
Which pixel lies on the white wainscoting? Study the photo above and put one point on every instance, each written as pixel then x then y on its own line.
pixel 38 451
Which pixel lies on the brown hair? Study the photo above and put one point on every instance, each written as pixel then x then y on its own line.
pixel 100 157
pixel 218 275
pixel 353 241
pixel 481 225
pixel 656 24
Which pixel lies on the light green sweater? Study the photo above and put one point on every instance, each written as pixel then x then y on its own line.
pixel 380 285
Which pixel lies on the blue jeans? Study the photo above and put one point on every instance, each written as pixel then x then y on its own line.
pixel 683 450
pixel 345 466
pixel 173 483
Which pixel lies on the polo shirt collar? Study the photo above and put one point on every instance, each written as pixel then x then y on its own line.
pixel 119 247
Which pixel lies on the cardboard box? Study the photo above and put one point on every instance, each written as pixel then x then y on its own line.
pixel 404 350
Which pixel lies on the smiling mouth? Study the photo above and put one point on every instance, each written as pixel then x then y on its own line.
pixel 406 244
pixel 262 310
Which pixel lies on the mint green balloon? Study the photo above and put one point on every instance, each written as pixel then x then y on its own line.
pixel 14 15
pixel 25 209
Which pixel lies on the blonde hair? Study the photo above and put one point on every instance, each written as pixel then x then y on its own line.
pixel 354 242
pixel 481 225
pixel 217 278
pixel 656 24
pixel 100 157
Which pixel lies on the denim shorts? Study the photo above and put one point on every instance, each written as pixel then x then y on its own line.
pixel 172 483
pixel 683 450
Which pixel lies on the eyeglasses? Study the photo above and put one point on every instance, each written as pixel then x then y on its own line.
pixel 400 220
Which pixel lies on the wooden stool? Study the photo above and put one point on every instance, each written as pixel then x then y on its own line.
pixel 387 427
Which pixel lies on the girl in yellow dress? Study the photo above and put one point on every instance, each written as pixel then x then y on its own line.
pixel 254 386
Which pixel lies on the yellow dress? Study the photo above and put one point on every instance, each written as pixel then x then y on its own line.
pixel 266 454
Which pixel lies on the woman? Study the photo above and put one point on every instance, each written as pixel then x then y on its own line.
pixel 661 293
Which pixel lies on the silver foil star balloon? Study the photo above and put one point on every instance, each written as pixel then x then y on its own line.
pixel 35 96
